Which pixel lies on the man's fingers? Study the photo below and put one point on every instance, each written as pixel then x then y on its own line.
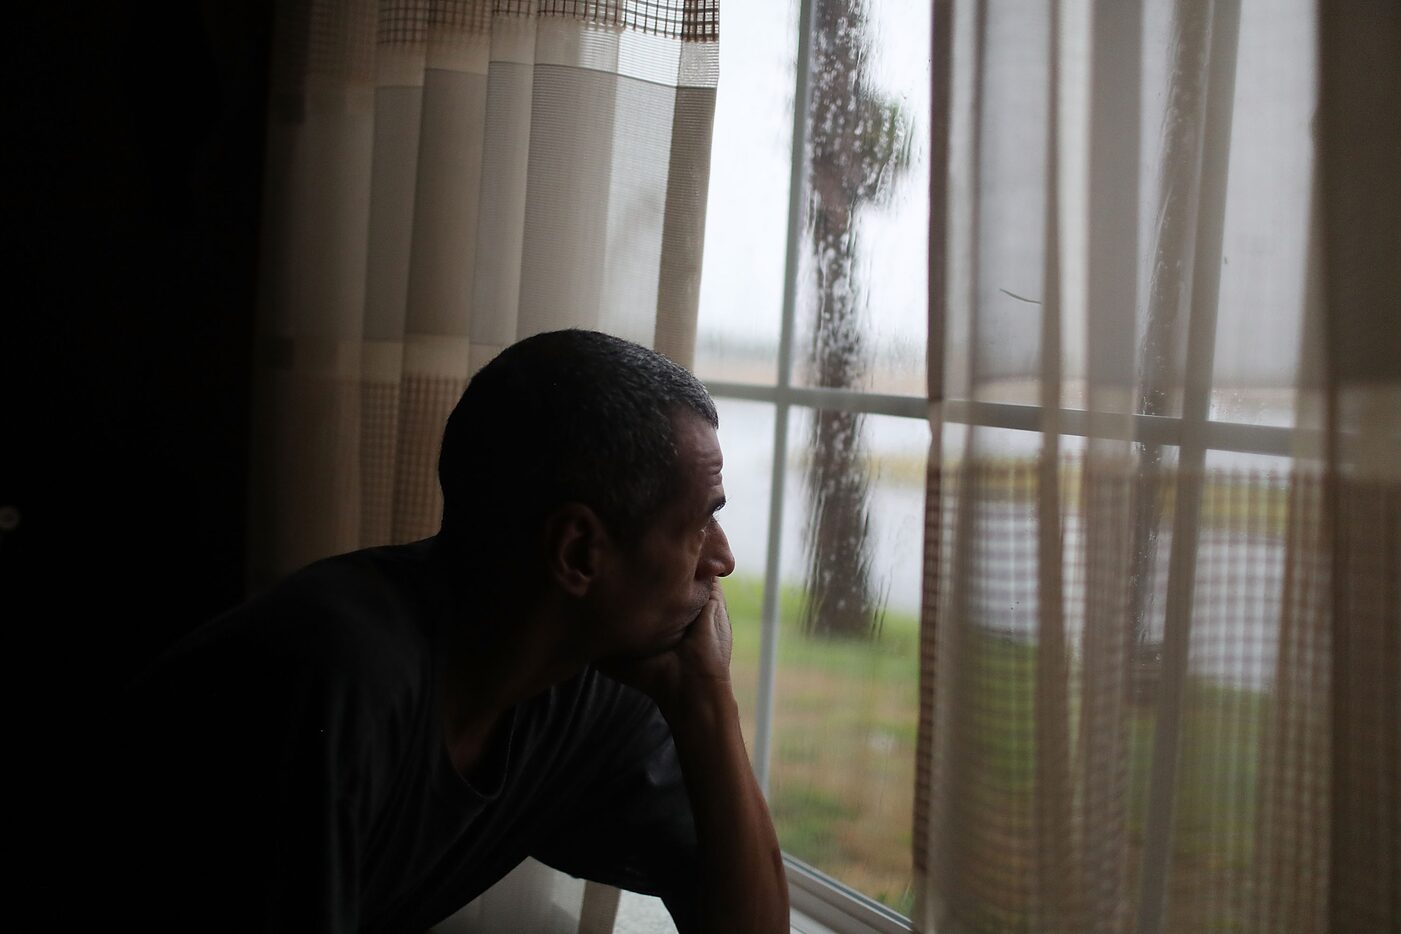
pixel 719 619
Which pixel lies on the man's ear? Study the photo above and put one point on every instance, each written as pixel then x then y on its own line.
pixel 575 540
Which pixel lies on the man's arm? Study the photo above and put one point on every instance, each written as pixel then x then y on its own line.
pixel 742 885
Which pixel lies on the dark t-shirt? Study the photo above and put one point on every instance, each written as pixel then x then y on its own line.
pixel 286 770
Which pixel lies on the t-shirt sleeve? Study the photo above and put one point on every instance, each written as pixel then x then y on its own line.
pixel 631 824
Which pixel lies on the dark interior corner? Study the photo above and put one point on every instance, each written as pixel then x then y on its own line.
pixel 132 229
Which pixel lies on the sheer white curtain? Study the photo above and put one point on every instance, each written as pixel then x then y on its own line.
pixel 1160 650
pixel 444 178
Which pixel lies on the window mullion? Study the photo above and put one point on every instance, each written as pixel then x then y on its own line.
pixel 768 636
pixel 1274 440
pixel 768 647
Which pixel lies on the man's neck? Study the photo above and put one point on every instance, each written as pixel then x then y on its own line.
pixel 491 654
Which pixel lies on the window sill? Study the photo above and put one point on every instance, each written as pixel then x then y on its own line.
pixel 819 905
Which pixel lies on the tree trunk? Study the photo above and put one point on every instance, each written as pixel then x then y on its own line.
pixel 854 148
pixel 840 601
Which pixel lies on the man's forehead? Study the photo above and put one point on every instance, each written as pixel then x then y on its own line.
pixel 698 454
pixel 697 442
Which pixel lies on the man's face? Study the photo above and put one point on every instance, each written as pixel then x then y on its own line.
pixel 660 584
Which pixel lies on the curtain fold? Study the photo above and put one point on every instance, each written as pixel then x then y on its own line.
pixel 1161 632
pixel 445 177
pixel 1359 216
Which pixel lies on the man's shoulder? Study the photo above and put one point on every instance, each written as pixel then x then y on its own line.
pixel 372 588
pixel 354 619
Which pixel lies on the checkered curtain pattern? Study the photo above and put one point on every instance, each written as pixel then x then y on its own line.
pixel 445 177
pixel 1161 685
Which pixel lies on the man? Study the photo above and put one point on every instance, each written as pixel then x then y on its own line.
pixel 379 738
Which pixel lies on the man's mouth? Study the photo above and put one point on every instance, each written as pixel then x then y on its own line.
pixel 703 599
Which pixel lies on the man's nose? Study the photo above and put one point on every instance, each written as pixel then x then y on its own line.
pixel 718 560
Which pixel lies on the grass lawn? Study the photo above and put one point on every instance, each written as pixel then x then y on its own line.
pixel 843 765
pixel 845 718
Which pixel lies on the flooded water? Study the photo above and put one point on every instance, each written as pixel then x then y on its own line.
pixel 1239 576
pixel 899 447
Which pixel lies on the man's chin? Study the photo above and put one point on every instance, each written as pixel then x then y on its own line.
pixel 666 645
pixel 662 646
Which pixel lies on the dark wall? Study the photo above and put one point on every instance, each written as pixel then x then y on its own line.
pixel 131 231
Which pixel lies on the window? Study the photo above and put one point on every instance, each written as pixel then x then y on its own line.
pixel 812 339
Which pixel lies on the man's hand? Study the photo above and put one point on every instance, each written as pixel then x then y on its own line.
pixel 742 887
pixel 696 669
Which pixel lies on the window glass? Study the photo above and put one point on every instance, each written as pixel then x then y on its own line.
pixel 842 755
pixel 746 439
pixel 746 219
pixel 846 707
pixel 862 314
pixel 1264 252
pixel 1246 504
